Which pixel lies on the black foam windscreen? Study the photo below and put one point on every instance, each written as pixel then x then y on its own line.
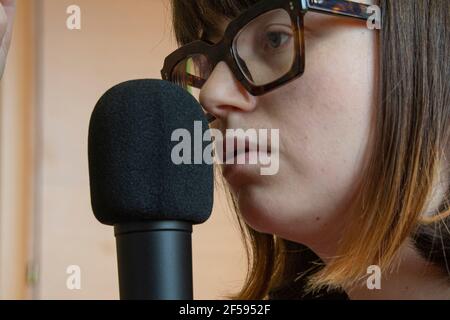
pixel 132 175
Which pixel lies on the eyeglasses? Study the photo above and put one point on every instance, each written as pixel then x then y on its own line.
pixel 263 47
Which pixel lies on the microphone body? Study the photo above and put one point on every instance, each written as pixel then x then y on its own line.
pixel 156 255
pixel 136 187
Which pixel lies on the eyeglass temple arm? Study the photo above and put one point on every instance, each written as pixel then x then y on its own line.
pixel 194 81
pixel 198 82
pixel 339 7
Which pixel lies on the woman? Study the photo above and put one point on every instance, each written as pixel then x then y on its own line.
pixel 364 120
pixel 7 8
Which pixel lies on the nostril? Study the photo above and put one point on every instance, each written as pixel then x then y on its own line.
pixel 230 108
pixel 221 111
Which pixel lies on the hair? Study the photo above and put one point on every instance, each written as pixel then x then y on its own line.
pixel 411 141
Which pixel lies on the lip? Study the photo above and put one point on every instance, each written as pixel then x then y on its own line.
pixel 250 146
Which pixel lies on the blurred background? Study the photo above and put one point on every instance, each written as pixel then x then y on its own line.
pixel 54 77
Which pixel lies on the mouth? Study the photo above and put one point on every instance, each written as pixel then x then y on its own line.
pixel 235 149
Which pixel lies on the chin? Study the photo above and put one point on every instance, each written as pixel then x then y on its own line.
pixel 265 213
pixel 258 208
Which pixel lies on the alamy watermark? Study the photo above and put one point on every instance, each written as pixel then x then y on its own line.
pixel 73 21
pixel 374 21
pixel 73 281
pixel 374 280
pixel 239 146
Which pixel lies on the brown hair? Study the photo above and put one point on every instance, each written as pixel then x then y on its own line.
pixel 411 141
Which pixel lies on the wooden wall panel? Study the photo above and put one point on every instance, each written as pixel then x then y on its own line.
pixel 17 102
pixel 119 40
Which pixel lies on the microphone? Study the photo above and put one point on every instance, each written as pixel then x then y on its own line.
pixel 135 186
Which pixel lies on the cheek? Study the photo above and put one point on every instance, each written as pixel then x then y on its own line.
pixel 325 118
pixel 321 161
pixel 324 137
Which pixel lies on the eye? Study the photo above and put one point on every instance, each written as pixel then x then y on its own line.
pixel 277 39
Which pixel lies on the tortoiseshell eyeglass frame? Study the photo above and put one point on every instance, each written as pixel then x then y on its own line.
pixel 224 50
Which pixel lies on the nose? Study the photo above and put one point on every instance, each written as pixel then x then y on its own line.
pixel 222 94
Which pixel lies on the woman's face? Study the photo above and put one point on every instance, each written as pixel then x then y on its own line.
pixel 324 120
